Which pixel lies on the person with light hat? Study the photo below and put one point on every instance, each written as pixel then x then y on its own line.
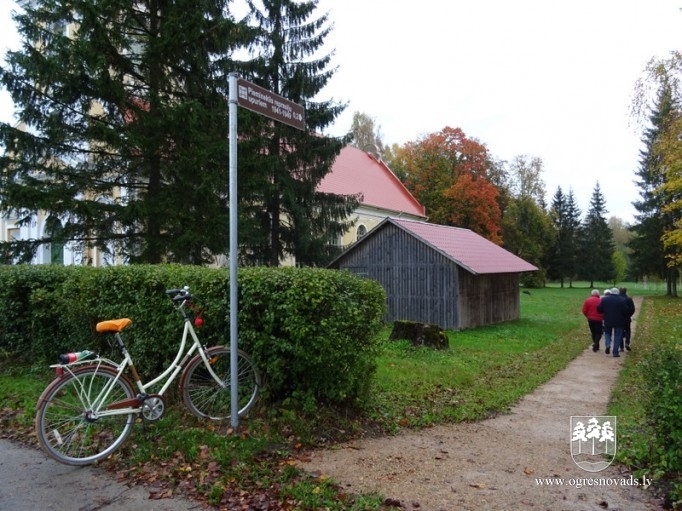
pixel 615 311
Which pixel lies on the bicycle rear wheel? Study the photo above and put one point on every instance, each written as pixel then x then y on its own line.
pixel 204 396
pixel 67 423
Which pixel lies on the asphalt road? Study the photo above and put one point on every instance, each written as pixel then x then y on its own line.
pixel 31 481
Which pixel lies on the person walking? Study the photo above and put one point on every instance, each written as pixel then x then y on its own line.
pixel 615 311
pixel 628 322
pixel 594 318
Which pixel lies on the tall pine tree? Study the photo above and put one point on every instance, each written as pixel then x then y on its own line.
pixel 648 252
pixel 122 138
pixel 596 242
pixel 288 216
pixel 562 256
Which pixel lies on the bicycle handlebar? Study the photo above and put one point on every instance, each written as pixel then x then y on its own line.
pixel 179 295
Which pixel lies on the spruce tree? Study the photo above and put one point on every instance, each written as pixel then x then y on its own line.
pixel 122 135
pixel 572 226
pixel 648 253
pixel 562 256
pixel 288 216
pixel 596 245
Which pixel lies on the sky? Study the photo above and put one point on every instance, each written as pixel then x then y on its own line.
pixel 542 78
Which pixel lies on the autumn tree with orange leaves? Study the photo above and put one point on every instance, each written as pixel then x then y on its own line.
pixel 449 174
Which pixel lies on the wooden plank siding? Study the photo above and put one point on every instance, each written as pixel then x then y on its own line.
pixel 487 299
pixel 420 283
pixel 424 285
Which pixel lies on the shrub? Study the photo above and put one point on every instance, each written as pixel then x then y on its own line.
pixel 314 330
pixel 29 317
pixel 663 373
pixel 311 332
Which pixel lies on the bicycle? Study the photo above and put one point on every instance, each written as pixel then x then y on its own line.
pixel 89 409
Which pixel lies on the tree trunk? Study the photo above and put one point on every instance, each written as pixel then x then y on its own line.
pixel 420 334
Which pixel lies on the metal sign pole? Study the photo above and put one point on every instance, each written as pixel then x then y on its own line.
pixel 264 102
pixel 232 141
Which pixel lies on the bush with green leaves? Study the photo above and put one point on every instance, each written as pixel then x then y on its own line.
pixel 648 397
pixel 27 308
pixel 663 373
pixel 315 331
pixel 311 332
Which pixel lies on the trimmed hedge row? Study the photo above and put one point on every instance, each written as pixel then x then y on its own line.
pixel 311 332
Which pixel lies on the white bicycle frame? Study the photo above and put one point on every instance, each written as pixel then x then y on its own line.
pixel 169 373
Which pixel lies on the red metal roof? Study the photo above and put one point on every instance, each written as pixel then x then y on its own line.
pixel 355 171
pixel 466 248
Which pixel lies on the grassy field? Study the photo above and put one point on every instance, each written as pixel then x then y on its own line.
pixel 485 371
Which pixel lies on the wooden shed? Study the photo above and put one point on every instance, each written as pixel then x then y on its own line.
pixel 447 276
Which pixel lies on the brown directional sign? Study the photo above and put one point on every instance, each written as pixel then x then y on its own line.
pixel 271 105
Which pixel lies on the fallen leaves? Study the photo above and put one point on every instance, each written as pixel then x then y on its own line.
pixel 166 493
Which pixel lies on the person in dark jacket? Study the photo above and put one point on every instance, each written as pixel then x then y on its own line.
pixel 631 311
pixel 594 318
pixel 615 311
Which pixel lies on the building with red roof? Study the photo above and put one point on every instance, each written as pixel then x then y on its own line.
pixel 383 195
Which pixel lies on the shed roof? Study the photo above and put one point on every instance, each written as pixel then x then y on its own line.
pixel 466 248
pixel 355 171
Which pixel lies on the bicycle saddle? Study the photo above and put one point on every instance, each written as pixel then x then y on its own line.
pixel 113 325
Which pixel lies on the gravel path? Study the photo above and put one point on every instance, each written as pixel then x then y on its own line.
pixel 502 463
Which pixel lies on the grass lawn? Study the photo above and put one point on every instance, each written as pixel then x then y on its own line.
pixel 485 371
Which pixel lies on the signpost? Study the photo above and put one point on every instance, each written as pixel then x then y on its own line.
pixel 262 101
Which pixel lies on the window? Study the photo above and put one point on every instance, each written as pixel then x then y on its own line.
pixel 361 233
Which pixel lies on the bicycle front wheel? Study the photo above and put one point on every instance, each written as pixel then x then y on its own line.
pixel 205 397
pixel 68 423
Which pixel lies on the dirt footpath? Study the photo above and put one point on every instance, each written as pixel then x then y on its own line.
pixel 504 463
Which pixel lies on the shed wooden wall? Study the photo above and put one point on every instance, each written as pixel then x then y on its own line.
pixel 420 283
pixel 423 285
pixel 487 299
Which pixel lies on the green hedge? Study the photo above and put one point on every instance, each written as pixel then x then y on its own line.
pixel 315 331
pixel 311 332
